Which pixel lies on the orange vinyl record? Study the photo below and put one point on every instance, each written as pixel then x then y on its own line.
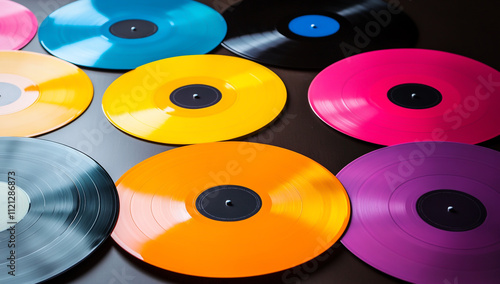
pixel 229 209
pixel 40 93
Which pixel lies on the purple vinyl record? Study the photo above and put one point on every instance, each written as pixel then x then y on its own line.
pixel 427 212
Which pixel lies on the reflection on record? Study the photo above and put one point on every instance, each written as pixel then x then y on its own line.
pixel 314 34
pixel 124 34
pixel 58 206
pixel 397 96
pixel 18 25
pixel 229 209
pixel 426 212
pixel 195 99
pixel 40 93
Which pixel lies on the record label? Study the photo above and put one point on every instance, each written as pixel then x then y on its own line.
pixel 132 29
pixel 16 93
pixel 21 202
pixel 228 203
pixel 451 210
pixel 314 26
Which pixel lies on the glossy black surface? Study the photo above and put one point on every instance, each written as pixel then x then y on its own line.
pixel 228 203
pixel 258 30
pixel 195 96
pixel 414 96
pixel 451 210
pixel 133 29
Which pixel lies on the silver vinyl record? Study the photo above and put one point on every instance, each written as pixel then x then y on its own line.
pixel 57 206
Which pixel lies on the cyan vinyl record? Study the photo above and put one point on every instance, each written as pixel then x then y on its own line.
pixel 124 34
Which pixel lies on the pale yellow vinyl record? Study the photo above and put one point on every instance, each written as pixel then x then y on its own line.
pixel 40 93
pixel 195 99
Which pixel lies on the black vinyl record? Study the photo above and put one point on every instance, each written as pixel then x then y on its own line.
pixel 314 34
pixel 58 205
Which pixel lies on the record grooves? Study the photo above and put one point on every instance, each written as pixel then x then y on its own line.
pixel 229 210
pixel 18 25
pixel 404 95
pixel 66 205
pixel 125 34
pixel 195 99
pixel 426 212
pixel 313 35
pixel 35 99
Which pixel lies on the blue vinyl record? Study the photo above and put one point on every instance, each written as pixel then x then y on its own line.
pixel 124 34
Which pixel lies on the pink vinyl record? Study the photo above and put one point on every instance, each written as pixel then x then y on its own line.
pixel 426 212
pixel 18 25
pixel 397 96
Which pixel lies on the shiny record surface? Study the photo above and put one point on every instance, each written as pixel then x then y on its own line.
pixel 161 222
pixel 124 34
pixel 426 212
pixel 18 25
pixel 405 95
pixel 195 99
pixel 66 205
pixel 39 93
pixel 314 34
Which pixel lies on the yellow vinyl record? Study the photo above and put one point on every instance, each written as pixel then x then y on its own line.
pixel 229 209
pixel 194 99
pixel 39 93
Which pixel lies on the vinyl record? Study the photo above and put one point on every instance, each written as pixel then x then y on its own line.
pixel 124 34
pixel 408 95
pixel 58 206
pixel 194 99
pixel 39 93
pixel 426 212
pixel 314 34
pixel 229 209
pixel 18 25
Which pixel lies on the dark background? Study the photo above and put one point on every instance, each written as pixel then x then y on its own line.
pixel 469 28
